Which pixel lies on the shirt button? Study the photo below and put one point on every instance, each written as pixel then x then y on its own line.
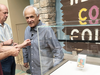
pixel 31 54
pixel 32 61
pixel 31 47
pixel 32 67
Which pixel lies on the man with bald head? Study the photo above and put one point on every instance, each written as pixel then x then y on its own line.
pixel 6 51
pixel 3 13
pixel 6 37
pixel 49 45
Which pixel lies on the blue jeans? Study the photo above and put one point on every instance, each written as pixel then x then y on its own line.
pixel 8 66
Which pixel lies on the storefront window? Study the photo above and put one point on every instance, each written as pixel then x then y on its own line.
pixel 78 39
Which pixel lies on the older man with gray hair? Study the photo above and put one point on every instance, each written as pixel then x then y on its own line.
pixel 50 47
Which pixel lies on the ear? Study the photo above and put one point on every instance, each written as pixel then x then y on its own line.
pixel 38 16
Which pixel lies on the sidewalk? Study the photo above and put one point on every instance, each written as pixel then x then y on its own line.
pixel 21 70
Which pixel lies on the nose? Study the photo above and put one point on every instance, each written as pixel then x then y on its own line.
pixel 29 19
pixel 7 14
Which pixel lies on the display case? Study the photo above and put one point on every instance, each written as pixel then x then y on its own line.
pixel 73 40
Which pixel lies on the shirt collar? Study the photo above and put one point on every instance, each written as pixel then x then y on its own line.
pixel 1 24
pixel 35 28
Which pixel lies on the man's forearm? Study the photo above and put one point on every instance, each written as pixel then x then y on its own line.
pixel 27 42
pixel 5 54
pixel 5 48
pixel 20 45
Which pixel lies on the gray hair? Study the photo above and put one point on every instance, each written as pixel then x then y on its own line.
pixel 36 10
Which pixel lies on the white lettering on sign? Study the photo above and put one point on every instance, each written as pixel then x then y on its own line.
pixel 73 31
pixel 83 0
pixel 83 34
pixel 76 1
pixel 96 34
pixel 90 34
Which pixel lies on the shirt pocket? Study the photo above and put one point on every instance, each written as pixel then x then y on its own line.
pixel 43 44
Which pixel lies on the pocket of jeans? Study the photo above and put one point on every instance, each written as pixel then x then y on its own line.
pixel 4 60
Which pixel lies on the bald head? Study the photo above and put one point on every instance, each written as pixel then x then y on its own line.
pixel 2 6
pixel 3 13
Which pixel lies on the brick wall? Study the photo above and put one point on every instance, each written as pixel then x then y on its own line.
pixel 47 11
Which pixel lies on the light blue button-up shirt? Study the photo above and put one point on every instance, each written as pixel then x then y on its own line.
pixel 5 32
pixel 50 53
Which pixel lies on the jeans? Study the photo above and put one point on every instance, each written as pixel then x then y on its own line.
pixel 8 66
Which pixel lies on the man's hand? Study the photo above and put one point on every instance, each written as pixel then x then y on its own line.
pixel 14 44
pixel 8 42
pixel 27 42
pixel 14 51
pixel 24 44
pixel 26 65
